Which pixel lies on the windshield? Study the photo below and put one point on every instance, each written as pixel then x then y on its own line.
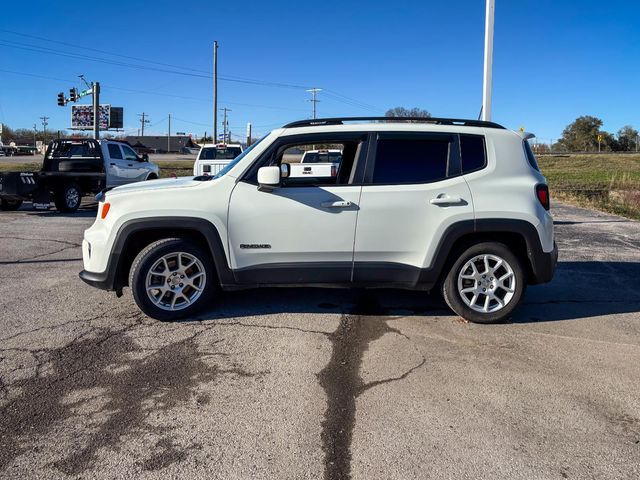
pixel 235 161
pixel 219 153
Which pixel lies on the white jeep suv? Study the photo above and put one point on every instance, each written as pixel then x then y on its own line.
pixel 457 205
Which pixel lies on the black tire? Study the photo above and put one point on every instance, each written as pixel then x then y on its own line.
pixel 152 176
pixel 146 259
pixel 9 205
pixel 68 198
pixel 453 297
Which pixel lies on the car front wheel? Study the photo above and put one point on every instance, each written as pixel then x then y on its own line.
pixel 172 278
pixel 485 284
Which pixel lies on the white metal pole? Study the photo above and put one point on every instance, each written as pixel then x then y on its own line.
pixel 488 60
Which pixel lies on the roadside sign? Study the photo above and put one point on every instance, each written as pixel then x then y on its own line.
pixel 82 117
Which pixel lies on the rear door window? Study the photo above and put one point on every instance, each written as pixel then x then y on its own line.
pixel 114 151
pixel 411 159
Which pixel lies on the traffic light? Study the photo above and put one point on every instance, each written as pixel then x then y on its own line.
pixel 73 95
pixel 61 101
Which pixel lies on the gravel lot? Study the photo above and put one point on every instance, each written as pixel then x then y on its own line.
pixel 312 383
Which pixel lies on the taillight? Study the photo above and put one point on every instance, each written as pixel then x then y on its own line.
pixel 334 171
pixel 105 210
pixel 542 192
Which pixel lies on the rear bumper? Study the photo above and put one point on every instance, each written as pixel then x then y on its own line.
pixel 543 265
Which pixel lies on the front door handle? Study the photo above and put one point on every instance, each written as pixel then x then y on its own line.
pixel 337 204
pixel 446 200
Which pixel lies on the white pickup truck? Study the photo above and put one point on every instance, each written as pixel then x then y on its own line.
pixel 73 168
pixel 317 163
pixel 214 157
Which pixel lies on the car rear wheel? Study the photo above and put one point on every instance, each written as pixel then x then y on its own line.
pixel 10 205
pixel 67 198
pixel 485 284
pixel 172 278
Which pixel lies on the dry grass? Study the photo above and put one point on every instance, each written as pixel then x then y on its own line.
pixel 607 182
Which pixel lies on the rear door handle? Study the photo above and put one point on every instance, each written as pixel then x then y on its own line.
pixel 446 200
pixel 130 164
pixel 337 204
pixel 113 164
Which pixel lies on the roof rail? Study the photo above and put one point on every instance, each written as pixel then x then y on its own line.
pixel 437 121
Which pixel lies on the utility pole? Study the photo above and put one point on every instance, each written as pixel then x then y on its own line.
pixel 95 89
pixel 225 125
pixel 35 131
pixel 215 92
pixel 169 136
pixel 44 128
pixel 488 60
pixel 314 100
pixel 143 120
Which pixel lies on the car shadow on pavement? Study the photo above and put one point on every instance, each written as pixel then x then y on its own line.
pixel 583 289
pixel 303 300
pixel 579 290
pixel 88 208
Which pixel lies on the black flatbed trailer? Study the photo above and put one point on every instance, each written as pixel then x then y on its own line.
pixel 71 168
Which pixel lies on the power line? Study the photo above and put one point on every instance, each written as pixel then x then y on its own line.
pixel 145 92
pixel 79 56
pixel 229 78
pixel 351 101
pixel 191 122
pixel 98 50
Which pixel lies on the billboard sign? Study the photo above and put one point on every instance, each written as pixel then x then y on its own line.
pixel 82 117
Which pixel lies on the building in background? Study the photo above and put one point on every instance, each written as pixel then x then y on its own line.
pixel 159 144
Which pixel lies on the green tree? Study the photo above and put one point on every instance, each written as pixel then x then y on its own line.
pixel 581 135
pixel 627 138
pixel 407 112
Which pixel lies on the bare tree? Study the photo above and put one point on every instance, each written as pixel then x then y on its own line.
pixel 407 112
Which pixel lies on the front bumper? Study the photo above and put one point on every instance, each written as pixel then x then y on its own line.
pixel 102 280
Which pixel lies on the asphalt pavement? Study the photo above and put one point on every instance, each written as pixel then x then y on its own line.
pixel 319 383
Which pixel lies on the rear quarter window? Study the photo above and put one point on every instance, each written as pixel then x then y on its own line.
pixel 473 152
pixel 530 156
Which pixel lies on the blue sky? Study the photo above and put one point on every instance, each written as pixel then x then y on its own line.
pixel 553 60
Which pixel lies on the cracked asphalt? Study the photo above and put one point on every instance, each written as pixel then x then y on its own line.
pixel 313 383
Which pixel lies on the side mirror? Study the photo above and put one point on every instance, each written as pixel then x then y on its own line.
pixel 285 170
pixel 145 157
pixel 268 178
